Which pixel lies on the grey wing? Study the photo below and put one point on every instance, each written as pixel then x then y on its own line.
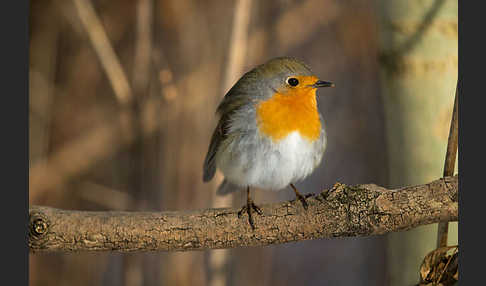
pixel 219 134
pixel 232 101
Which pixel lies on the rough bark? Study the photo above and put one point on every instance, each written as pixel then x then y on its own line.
pixel 360 210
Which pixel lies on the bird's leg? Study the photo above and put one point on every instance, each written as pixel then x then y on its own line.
pixel 249 208
pixel 299 196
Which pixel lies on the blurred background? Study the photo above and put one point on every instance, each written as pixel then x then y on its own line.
pixel 122 106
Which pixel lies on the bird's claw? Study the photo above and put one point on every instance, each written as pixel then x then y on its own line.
pixel 249 208
pixel 303 200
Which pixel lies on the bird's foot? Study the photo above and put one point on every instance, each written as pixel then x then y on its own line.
pixel 303 200
pixel 249 208
pixel 301 197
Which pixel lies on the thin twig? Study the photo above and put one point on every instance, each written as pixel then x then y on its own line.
pixel 449 164
pixel 238 42
pixel 143 47
pixel 104 50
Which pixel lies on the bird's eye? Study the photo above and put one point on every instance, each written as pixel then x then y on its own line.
pixel 292 81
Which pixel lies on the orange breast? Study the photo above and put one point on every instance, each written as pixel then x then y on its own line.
pixel 294 111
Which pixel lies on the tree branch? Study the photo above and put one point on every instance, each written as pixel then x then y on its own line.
pixel 361 210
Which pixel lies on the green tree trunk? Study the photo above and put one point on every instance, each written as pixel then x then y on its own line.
pixel 418 57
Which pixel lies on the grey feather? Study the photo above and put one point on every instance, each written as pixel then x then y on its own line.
pixel 219 134
pixel 232 101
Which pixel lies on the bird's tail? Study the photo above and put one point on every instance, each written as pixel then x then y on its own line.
pixel 227 187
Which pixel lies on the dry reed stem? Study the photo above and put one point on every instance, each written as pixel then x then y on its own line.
pixel 104 50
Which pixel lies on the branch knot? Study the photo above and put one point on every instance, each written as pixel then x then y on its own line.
pixel 38 229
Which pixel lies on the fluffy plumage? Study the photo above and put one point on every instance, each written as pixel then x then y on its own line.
pixel 261 142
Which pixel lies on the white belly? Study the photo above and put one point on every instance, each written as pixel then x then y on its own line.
pixel 271 168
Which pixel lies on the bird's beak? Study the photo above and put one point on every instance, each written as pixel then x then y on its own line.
pixel 321 83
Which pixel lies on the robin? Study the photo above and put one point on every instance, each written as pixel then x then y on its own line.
pixel 270 133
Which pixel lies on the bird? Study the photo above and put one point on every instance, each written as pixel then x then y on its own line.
pixel 270 133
